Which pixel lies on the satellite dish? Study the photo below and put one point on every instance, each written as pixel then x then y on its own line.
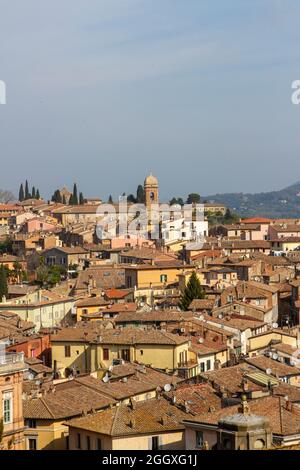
pixel 167 388
pixel 269 371
pixel 220 316
pixel 201 317
pixel 292 362
pixel 200 340
pixel 105 379
pixel 275 325
pixel 111 368
pixel 275 356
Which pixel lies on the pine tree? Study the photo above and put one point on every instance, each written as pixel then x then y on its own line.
pixel 3 282
pixel 81 198
pixel 21 193
pixel 110 199
pixel 56 196
pixel 192 291
pixel 75 196
pixel 37 194
pixel 27 193
pixel 33 194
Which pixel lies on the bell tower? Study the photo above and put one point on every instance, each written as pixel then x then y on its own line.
pixel 151 190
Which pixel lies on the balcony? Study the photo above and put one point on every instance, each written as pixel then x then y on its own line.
pixel 11 362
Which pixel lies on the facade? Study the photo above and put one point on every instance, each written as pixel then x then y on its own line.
pixel 12 368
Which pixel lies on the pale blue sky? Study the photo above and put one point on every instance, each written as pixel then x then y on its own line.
pixel 103 91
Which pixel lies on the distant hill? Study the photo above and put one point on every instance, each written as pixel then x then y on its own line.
pixel 275 204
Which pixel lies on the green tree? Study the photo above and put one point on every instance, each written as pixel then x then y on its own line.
pixel 21 193
pixel 56 196
pixel 131 199
pixel 27 193
pixel 42 275
pixel 6 245
pixel 3 282
pixel 110 199
pixel 140 194
pixel 192 291
pixel 81 198
pixel 193 198
pixel 33 193
pixel 177 200
pixel 75 195
pixel 37 195
pixel 64 201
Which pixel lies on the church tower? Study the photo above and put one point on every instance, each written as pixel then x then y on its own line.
pixel 151 190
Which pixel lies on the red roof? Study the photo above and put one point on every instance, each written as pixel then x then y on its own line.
pixel 117 293
pixel 254 220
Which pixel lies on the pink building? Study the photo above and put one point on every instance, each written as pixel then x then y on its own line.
pixel 39 224
pixel 130 241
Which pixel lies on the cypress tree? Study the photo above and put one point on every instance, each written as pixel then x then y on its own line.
pixel 37 194
pixel 140 194
pixel 75 196
pixel 192 291
pixel 64 200
pixel 81 198
pixel 3 282
pixel 33 194
pixel 27 194
pixel 110 199
pixel 21 193
pixel 71 203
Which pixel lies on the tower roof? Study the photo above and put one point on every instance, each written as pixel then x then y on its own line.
pixel 151 180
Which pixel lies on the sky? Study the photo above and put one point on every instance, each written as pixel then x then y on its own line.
pixel 102 92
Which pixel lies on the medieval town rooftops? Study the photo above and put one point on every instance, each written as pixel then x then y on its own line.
pixel 284 419
pixel 64 401
pixel 277 368
pixel 127 336
pixel 202 304
pixel 134 381
pixel 153 316
pixel 150 416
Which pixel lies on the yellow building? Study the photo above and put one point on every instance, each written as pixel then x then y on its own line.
pixel 76 349
pixel 89 305
pixel 144 276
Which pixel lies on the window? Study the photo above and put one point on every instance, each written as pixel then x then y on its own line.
pixel 199 439
pixel 106 354
pixel 32 444
pixel 67 351
pixel 155 443
pixel 88 442
pixel 78 441
pixel 141 352
pixel 31 423
pixel 208 365
pixel 163 278
pixel 7 408
pixel 99 444
pixel 202 367
pixel 125 355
